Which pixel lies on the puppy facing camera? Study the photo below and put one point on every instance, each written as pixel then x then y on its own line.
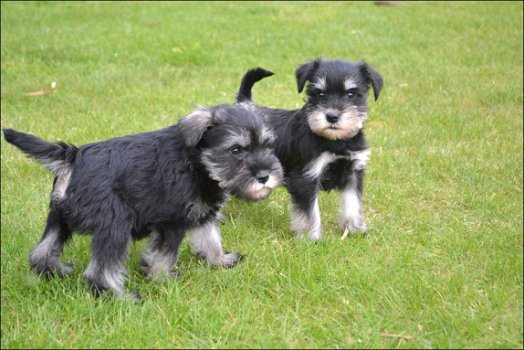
pixel 322 145
pixel 337 96
pixel 162 184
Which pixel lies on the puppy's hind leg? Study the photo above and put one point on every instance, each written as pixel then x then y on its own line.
pixel 161 255
pixel 45 258
pixel 109 250
pixel 206 243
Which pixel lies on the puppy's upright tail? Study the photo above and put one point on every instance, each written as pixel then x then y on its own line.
pixel 53 156
pixel 248 80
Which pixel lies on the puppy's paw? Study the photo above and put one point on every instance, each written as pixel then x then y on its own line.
pixel 48 269
pixel 229 260
pixel 134 297
pixel 66 269
pixel 299 234
pixel 144 268
pixel 353 225
pixel 221 218
pixel 158 275
pixel 313 235
pixel 173 274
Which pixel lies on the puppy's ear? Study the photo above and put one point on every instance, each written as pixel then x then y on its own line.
pixel 193 126
pixel 305 72
pixel 374 78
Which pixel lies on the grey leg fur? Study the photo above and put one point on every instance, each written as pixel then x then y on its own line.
pixel 352 213
pixel 206 243
pixel 161 255
pixel 307 221
pixel 45 258
pixel 109 251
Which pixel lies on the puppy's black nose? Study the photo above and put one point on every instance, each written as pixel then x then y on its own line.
pixel 332 118
pixel 262 176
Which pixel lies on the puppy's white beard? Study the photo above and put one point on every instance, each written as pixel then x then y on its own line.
pixel 257 190
pixel 272 182
pixel 350 123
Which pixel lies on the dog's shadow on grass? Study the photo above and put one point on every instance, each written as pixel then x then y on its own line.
pixel 268 218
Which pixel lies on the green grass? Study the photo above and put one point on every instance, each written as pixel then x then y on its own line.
pixel 443 260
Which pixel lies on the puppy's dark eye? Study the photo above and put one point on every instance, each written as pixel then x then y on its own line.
pixel 321 94
pixel 351 93
pixel 235 151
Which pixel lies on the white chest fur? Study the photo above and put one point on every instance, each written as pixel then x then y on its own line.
pixel 316 167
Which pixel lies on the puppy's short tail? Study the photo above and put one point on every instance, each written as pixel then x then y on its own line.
pixel 250 78
pixel 53 156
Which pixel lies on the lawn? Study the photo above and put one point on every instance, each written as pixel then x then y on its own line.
pixel 442 265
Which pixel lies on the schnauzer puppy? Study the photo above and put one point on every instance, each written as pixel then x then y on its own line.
pixel 160 184
pixel 322 146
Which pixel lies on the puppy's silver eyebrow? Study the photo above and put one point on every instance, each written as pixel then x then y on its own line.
pixel 349 83
pixel 320 83
pixel 240 137
pixel 266 136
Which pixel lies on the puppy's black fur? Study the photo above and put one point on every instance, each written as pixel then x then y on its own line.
pixel 248 81
pixel 161 183
pixel 322 145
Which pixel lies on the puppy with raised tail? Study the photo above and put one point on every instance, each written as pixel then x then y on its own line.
pixel 160 184
pixel 322 145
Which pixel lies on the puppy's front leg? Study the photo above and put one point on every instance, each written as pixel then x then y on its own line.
pixel 351 209
pixel 206 243
pixel 305 214
pixel 352 212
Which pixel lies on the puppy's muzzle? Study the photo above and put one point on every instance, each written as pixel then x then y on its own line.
pixel 332 117
pixel 262 176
